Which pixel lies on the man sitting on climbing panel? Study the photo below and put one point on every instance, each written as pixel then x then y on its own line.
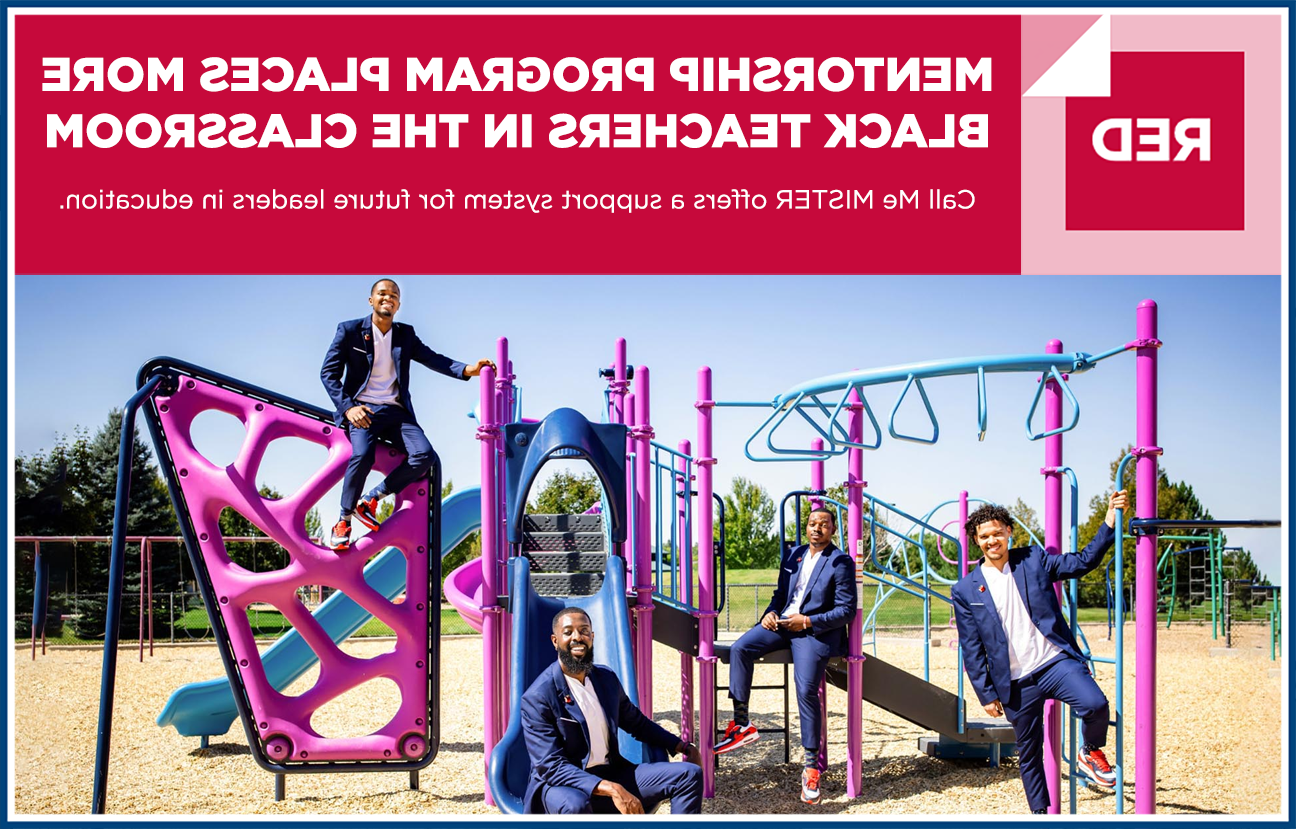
pixel 570 718
pixel 1018 649
pixel 366 374
pixel 809 612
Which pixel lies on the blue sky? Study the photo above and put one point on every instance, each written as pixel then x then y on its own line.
pixel 78 342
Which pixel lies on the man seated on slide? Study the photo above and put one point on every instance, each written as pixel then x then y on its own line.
pixel 1018 649
pixel 811 607
pixel 570 718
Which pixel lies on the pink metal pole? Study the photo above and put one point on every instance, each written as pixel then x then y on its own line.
pixel 1053 546
pixel 1145 580
pixel 142 589
pixel 682 486
pixel 855 642
pixel 488 433
pixel 36 565
pixel 148 554
pixel 817 485
pixel 643 544
pixel 706 581
pixel 962 533
pixel 618 386
pixel 628 548
pixel 817 475
pixel 504 414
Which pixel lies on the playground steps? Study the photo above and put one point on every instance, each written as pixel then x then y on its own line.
pixel 568 553
pixel 920 702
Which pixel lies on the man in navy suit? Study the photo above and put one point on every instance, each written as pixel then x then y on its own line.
pixel 570 718
pixel 811 607
pixel 1018 649
pixel 366 373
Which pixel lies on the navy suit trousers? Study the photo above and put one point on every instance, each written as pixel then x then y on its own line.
pixel 809 662
pixel 392 423
pixel 650 782
pixel 1067 680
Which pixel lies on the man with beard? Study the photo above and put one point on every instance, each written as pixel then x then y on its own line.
pixel 366 374
pixel 570 718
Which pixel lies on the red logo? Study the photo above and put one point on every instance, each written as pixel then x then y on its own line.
pixel 1165 151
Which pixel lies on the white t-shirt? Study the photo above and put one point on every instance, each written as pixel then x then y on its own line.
pixel 382 387
pixel 583 693
pixel 1028 649
pixel 802 583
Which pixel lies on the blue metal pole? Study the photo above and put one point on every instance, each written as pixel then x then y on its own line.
pixel 116 573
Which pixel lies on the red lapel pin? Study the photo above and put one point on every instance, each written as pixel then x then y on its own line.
pixel 981 589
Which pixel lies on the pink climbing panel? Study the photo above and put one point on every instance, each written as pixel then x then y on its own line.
pixel 283 722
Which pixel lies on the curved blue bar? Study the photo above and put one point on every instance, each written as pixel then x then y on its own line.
pixel 1039 391
pixel 983 408
pixel 565 433
pixel 931 415
pixel 1073 363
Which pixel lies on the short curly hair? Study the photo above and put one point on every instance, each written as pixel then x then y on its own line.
pixel 985 514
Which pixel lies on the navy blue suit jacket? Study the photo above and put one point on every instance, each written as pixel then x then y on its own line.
pixel 350 359
pixel 830 597
pixel 980 631
pixel 557 736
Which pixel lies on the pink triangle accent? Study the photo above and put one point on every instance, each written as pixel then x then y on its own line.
pixel 1045 38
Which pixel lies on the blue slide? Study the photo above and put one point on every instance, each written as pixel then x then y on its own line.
pixel 203 709
pixel 533 651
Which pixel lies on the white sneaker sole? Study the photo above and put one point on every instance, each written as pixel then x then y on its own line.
pixel 807 799
pixel 725 748
pixel 1093 778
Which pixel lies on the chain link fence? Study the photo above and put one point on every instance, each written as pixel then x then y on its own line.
pixel 180 617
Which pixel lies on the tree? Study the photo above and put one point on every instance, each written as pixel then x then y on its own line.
pixel 94 468
pixel 48 501
pixel 256 557
pixel 1175 500
pixel 566 493
pixel 1026 527
pixel 749 527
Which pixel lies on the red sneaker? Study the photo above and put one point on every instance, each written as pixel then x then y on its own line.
pixel 367 512
pixel 340 538
pixel 737 736
pixel 810 786
pixel 1094 765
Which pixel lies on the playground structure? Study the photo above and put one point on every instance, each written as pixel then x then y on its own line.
pixel 519 579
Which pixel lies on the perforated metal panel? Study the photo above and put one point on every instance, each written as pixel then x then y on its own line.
pixel 562 542
pixel 566 584
pixel 567 562
pixel 583 522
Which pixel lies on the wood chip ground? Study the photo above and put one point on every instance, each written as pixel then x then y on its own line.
pixel 1219 735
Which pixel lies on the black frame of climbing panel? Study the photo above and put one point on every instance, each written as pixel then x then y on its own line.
pixel 168 366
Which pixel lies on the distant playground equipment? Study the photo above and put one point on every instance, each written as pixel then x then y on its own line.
pixel 1212 582
pixel 631 563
